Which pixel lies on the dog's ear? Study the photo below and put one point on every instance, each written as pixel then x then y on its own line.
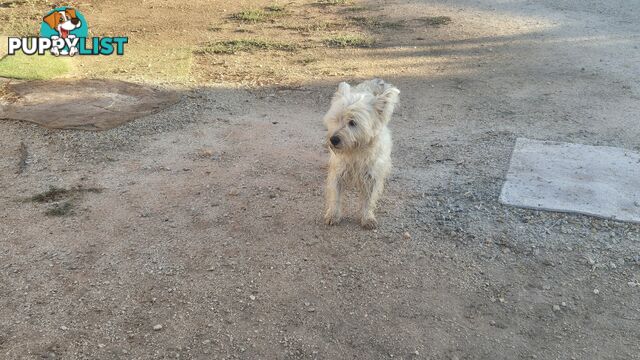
pixel 343 90
pixel 52 19
pixel 71 12
pixel 386 102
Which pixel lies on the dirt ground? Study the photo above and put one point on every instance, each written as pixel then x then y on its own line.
pixel 197 232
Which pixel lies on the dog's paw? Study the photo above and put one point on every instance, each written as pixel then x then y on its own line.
pixel 332 219
pixel 369 224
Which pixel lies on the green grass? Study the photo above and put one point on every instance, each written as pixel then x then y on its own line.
pixel 34 67
pixel 246 45
pixel 342 41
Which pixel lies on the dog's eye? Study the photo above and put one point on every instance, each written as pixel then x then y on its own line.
pixel 352 123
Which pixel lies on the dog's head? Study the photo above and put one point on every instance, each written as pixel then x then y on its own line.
pixel 63 21
pixel 356 117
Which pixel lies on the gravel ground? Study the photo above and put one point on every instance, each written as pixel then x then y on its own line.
pixel 206 240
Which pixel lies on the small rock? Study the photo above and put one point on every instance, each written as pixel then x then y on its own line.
pixel 252 297
pixel 311 309
pixel 157 327
pixel 596 291
pixel 556 307
pixel 406 235
pixel 632 284
pixel 64 328
pixel 206 342
pixel 564 304
pixel 101 345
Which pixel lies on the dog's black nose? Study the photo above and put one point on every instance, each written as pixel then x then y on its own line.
pixel 334 140
pixel 75 21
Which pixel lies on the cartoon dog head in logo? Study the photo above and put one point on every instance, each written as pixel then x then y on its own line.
pixel 63 21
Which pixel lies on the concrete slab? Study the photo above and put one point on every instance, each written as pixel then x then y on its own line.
pixel 600 181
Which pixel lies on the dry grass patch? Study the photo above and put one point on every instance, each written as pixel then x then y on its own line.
pixel 259 15
pixel 315 26
pixel 256 15
pixel 243 45
pixel 275 8
pixel 356 9
pixel 349 40
pixel 333 2
pixel 375 23
pixel 435 20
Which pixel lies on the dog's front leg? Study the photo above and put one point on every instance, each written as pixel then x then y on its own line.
pixel 371 191
pixel 333 196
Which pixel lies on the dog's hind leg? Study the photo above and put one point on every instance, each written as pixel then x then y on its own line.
pixel 371 191
pixel 333 196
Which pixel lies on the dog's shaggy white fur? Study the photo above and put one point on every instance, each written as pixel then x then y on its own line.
pixel 360 145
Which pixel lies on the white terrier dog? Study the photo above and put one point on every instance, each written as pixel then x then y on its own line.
pixel 360 145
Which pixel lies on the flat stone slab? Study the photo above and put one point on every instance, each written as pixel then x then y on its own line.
pixel 601 181
pixel 82 104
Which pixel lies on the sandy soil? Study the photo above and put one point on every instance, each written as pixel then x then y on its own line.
pixel 206 239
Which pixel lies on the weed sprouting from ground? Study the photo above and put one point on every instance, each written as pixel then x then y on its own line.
pixel 63 199
pixel 53 194
pixel 62 209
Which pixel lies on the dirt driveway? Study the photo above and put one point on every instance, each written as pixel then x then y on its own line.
pixel 197 232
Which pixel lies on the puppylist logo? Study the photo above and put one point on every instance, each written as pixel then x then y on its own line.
pixel 64 31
